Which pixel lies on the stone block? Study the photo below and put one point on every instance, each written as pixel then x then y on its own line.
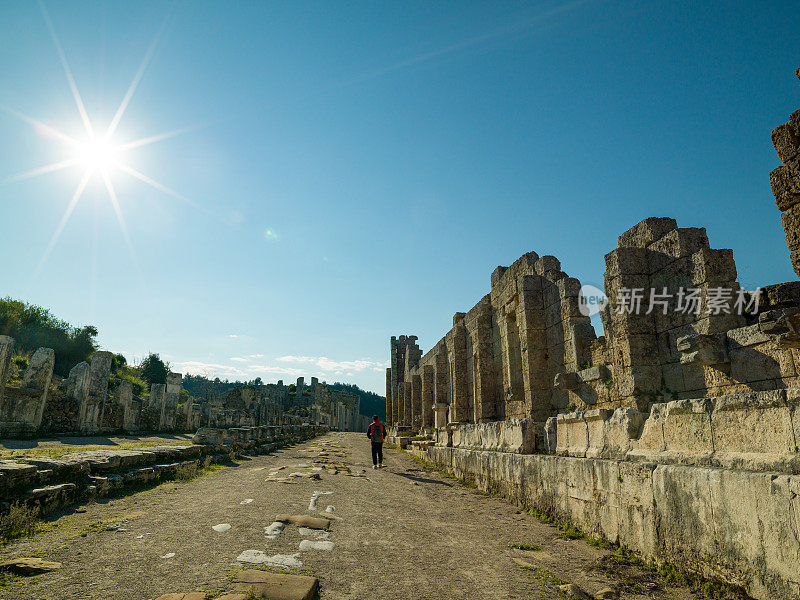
pixel 785 187
pixel 547 264
pixel 675 244
pixel 791 226
pixel 687 430
pixel 786 142
pixel 646 232
pixel 595 373
pixel 684 514
pixel 753 431
pixel 627 261
pixel 702 349
pixel 566 381
pixel 276 586
pixel 712 265
pixel 761 362
pixel 572 434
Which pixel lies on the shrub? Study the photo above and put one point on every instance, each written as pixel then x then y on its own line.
pixel 19 521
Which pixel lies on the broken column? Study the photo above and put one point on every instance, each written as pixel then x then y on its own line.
pixel 91 385
pixel 459 408
pixel 6 349
pixel 26 404
pixel 785 182
pixel 427 397
pixel 172 395
pixel 416 402
pixel 389 415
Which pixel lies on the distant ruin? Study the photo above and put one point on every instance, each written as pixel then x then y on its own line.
pixel 41 403
pixel 675 434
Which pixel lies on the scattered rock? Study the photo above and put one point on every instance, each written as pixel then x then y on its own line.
pixel 189 596
pixel 305 521
pixel 315 545
pixel 574 591
pixel 222 527
pixel 274 530
pixel 247 501
pixel 29 566
pixel 317 534
pixel 257 557
pixel 330 508
pixel 607 593
pixel 276 586
pixel 168 555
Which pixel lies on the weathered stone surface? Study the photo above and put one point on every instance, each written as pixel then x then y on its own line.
pixel 276 586
pixel 29 566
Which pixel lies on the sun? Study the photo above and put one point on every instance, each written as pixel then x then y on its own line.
pixel 97 154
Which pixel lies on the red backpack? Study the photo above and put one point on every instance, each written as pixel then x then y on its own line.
pixel 376 432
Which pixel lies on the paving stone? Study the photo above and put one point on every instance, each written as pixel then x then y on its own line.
pixel 276 586
pixel 29 566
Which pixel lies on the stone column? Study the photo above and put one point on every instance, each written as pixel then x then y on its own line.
pixel 396 404
pixel 6 349
pixel 427 396
pixel 460 383
pixel 486 384
pixel 130 413
pixel 407 404
pixel 533 347
pixel 172 395
pixel 96 391
pixel 37 377
pixel 389 416
pixel 158 392
pixel 298 392
pixel 416 402
pixel 440 410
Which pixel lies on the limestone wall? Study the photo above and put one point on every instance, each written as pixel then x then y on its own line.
pixel 675 433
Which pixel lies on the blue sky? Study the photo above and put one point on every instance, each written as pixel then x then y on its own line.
pixel 350 171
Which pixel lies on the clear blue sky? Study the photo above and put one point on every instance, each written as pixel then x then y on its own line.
pixel 361 168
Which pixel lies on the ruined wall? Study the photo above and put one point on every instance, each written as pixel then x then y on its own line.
pixel 676 433
pixel 38 403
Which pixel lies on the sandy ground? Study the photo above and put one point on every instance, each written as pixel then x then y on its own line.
pixel 400 533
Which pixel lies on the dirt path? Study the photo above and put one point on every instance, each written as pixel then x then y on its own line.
pixel 400 533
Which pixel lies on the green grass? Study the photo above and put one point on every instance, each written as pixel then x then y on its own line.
pixel 60 451
pixel 529 547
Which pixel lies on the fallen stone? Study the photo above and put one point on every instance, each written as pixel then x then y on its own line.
pixel 305 521
pixel 276 586
pixel 315 545
pixel 317 534
pixel 257 557
pixel 247 501
pixel 29 566
pixel 274 530
pixel 233 597
pixel 574 591
pixel 607 594
pixel 222 527
pixel 189 596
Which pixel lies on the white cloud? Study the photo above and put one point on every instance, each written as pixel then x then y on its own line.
pixel 256 356
pixel 336 367
pixel 239 359
pixel 232 335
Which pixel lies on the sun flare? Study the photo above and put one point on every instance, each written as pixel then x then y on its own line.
pixel 97 154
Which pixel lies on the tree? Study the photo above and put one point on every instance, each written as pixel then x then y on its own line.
pixel 154 370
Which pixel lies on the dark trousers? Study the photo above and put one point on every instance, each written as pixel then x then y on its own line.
pixel 377 453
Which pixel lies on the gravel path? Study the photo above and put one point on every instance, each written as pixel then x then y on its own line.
pixel 399 533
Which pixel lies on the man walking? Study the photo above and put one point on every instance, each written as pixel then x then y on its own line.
pixel 376 433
